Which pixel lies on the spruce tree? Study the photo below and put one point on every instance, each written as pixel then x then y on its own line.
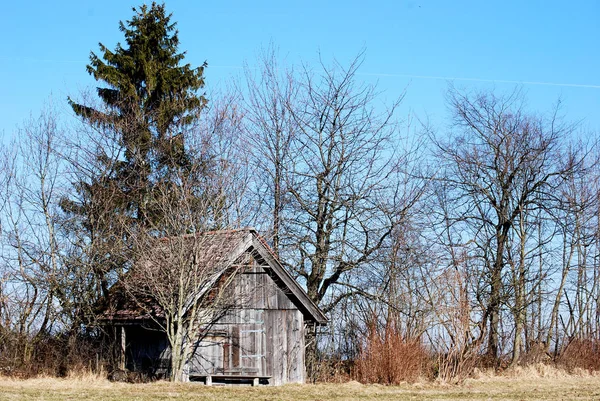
pixel 150 98
pixel 148 102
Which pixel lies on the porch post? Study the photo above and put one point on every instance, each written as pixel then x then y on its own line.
pixel 122 349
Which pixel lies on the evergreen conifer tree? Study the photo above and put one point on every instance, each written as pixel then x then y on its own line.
pixel 150 99
pixel 148 102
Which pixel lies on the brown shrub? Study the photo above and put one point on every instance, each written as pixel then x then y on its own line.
pixel 387 357
pixel 457 364
pixel 48 355
pixel 580 354
pixel 334 370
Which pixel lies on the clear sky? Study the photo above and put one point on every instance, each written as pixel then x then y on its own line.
pixel 552 47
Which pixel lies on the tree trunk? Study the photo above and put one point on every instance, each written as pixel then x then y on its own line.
pixel 310 353
pixel 495 293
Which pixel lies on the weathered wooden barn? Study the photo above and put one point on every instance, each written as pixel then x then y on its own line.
pixel 260 340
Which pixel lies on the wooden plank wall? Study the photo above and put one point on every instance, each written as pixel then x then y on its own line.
pixel 263 337
pixel 285 346
pixel 236 345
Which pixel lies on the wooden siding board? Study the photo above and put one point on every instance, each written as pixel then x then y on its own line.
pixel 209 357
pixel 295 347
pixel 280 347
pixel 269 336
pixel 285 346
pixel 283 301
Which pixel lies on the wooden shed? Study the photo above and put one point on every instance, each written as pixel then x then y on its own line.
pixel 261 340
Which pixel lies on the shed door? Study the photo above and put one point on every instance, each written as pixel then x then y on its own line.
pixel 248 349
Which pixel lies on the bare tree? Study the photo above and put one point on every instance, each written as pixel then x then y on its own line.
pixel 347 184
pixel 269 91
pixel 343 179
pixel 499 164
pixel 31 260
pixel 182 281
pixel 576 224
pixel 221 132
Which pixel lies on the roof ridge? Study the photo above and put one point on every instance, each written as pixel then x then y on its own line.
pixel 211 232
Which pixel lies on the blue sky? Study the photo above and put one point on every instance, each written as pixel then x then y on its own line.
pixel 412 45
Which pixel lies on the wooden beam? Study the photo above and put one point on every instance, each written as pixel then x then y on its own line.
pixel 122 349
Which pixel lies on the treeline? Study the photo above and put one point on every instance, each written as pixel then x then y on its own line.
pixel 472 245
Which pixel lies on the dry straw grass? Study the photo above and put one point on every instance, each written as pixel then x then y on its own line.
pixel 489 387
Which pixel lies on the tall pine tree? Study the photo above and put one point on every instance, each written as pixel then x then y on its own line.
pixel 150 100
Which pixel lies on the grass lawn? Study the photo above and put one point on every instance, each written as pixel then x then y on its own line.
pixel 516 387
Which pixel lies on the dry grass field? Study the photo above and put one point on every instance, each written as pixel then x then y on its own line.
pixel 518 385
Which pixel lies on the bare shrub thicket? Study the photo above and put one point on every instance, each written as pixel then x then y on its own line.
pixel 456 339
pixel 58 354
pixel 389 356
pixel 581 354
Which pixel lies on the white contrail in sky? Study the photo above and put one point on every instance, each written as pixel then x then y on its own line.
pixel 503 81
pixel 441 78
pixel 372 74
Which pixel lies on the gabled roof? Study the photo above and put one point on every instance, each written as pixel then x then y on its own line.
pixel 286 281
pixel 220 249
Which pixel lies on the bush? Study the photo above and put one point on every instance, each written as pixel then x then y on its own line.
pixel 387 357
pixel 457 364
pixel 48 355
pixel 581 353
